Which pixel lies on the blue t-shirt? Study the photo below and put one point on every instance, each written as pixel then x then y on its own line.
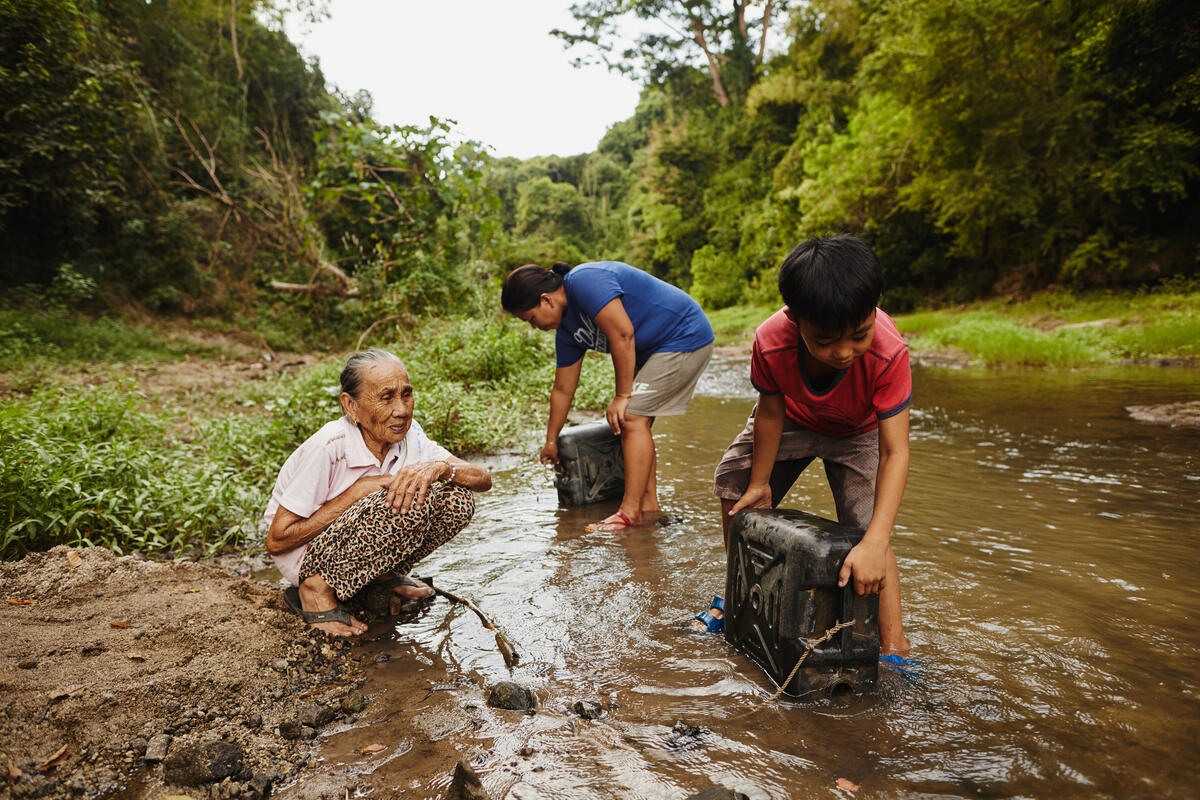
pixel 665 319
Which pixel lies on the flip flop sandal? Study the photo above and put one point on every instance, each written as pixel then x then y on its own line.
pixel 908 667
pixel 609 524
pixel 291 599
pixel 713 624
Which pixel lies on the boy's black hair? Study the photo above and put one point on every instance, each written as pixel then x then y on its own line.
pixel 833 282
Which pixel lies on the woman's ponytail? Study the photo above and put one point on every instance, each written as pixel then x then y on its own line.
pixel 524 286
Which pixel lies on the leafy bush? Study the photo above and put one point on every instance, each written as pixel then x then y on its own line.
pixel 718 280
pixel 88 467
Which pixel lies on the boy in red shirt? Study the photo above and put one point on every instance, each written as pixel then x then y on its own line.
pixel 833 379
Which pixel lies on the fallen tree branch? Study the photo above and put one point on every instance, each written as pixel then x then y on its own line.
pixel 511 656
pixel 313 288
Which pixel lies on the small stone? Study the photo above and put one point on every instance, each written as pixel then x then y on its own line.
pixel 138 746
pixel 201 763
pixel 280 665
pixel 512 696
pixel 382 657
pixel 587 709
pixel 465 784
pixel 258 787
pixel 291 729
pixel 315 716
pixel 718 793
pixel 28 663
pixel 156 748
pixel 685 737
pixel 254 721
pixel 354 703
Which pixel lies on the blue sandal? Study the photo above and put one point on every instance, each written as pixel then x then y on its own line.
pixel 713 624
pixel 908 667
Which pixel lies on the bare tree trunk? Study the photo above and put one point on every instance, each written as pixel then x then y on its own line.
pixel 739 10
pixel 237 59
pixel 713 68
pixel 762 43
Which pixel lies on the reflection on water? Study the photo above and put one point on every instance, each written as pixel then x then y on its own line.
pixel 1046 546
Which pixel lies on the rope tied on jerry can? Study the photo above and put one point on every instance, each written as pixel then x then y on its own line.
pixel 812 644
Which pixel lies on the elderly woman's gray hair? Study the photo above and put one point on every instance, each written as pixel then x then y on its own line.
pixel 358 364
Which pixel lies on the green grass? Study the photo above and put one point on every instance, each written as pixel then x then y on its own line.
pixel 30 340
pixel 1052 329
pixel 737 323
pixel 88 466
pixel 996 340
pixel 1064 329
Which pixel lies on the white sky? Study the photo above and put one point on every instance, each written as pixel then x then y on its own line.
pixel 490 65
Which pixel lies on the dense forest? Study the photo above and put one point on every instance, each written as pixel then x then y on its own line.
pixel 182 156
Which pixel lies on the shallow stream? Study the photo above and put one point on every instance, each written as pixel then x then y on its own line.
pixel 1047 544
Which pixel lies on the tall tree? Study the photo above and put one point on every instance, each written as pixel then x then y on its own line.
pixel 683 31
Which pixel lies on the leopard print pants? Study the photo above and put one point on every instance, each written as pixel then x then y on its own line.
pixel 370 538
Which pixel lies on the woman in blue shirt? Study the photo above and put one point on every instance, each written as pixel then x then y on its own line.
pixel 659 340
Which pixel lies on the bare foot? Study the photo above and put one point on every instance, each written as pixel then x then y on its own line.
pixel 317 596
pixel 404 594
pixel 413 589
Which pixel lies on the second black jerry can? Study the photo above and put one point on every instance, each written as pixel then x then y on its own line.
pixel 590 465
pixel 781 593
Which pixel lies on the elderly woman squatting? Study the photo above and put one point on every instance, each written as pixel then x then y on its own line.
pixel 366 497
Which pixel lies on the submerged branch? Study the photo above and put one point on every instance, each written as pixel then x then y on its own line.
pixel 511 656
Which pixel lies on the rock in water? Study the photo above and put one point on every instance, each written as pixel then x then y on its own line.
pixel 718 793
pixel 465 784
pixel 201 763
pixel 588 709
pixel 686 737
pixel 354 703
pixel 512 696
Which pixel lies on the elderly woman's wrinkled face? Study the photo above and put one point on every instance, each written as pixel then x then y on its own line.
pixel 384 406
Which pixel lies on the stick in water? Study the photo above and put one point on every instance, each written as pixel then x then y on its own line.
pixel 511 656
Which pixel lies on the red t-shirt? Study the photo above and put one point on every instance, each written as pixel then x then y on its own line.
pixel 876 386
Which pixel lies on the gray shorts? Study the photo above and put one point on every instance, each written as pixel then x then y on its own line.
pixel 851 464
pixel 664 385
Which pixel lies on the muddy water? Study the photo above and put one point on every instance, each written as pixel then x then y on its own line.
pixel 1048 550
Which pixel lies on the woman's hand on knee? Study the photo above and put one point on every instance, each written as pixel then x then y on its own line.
pixel 410 484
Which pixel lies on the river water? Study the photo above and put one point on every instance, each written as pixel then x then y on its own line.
pixel 1048 548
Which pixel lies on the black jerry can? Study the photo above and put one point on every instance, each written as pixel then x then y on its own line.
pixel 590 467
pixel 781 592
